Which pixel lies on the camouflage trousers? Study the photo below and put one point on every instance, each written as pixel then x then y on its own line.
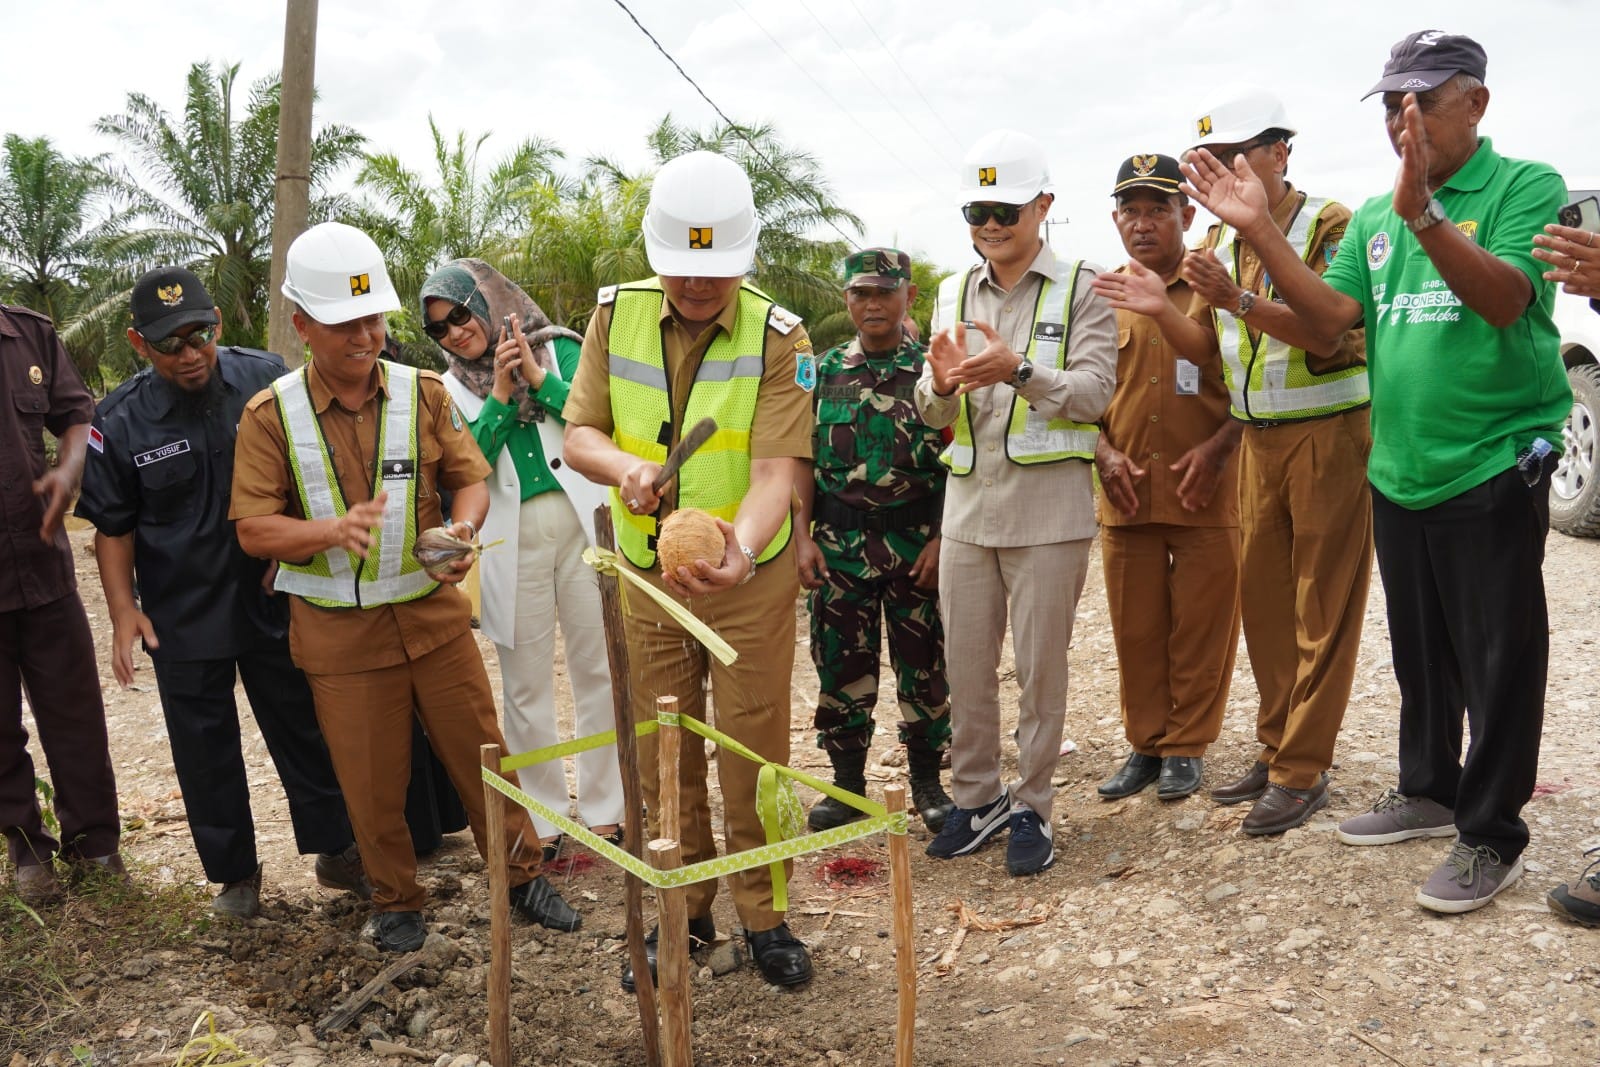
pixel 868 579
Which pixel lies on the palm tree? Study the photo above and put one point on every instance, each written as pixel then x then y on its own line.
pixel 211 175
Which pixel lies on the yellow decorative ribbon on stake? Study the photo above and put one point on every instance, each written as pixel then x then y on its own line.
pixel 605 561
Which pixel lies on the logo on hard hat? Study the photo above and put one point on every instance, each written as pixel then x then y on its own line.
pixel 360 285
pixel 1143 166
pixel 1203 127
pixel 699 236
pixel 986 176
pixel 170 295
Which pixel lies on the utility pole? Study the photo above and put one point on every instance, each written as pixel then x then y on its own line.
pixel 292 199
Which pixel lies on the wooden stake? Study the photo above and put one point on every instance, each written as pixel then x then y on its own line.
pixel 633 800
pixel 669 745
pixel 672 961
pixel 905 961
pixel 494 806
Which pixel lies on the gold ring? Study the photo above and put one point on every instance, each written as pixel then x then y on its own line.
pixel 1590 243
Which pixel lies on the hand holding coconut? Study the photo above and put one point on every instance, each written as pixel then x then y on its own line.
pixel 699 554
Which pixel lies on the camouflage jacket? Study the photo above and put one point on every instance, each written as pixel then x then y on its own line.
pixel 871 448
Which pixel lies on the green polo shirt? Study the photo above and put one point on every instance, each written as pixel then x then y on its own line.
pixel 496 426
pixel 1453 398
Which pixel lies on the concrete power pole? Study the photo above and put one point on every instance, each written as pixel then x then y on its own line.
pixel 291 204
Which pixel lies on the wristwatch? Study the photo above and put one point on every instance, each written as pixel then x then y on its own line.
pixel 749 554
pixel 1247 300
pixel 1022 375
pixel 1431 215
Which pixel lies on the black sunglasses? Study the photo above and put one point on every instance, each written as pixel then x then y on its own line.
pixel 1004 214
pixel 173 344
pixel 459 315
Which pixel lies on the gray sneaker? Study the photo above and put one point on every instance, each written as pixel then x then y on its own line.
pixel 1397 817
pixel 1468 879
pixel 241 899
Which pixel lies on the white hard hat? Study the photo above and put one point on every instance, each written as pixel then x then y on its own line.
pixel 336 273
pixel 1243 113
pixel 1004 167
pixel 701 222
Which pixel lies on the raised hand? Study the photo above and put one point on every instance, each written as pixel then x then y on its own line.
pixel 1139 289
pixel 1235 196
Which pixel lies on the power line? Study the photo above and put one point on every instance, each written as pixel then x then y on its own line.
pixel 834 100
pixel 888 97
pixel 909 81
pixel 734 127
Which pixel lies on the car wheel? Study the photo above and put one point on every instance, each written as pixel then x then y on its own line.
pixel 1575 485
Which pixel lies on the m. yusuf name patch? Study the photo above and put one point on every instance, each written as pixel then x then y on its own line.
pixel 156 455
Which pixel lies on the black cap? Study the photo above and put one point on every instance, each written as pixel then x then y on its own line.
pixel 167 299
pixel 1427 59
pixel 1148 171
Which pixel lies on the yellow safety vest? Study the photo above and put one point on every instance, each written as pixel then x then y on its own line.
pixel 717 477
pixel 1267 378
pixel 1030 437
pixel 339 578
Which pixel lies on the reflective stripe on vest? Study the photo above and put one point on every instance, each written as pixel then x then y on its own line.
pixel 1030 437
pixel 1269 379
pixel 338 578
pixel 717 477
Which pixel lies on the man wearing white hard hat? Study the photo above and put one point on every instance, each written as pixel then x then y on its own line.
pixel 659 355
pixel 1305 517
pixel 337 468
pixel 1022 363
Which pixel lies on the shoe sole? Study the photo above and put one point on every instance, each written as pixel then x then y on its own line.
pixel 1395 837
pixel 1238 798
pixel 1284 827
pixel 1170 794
pixel 344 887
pixel 828 824
pixel 1459 907
pixel 998 823
pixel 1124 794
pixel 1049 862
pixel 1560 908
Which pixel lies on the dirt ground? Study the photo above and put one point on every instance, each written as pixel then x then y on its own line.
pixel 1162 935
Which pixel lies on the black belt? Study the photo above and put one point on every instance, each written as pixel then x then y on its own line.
pixel 925 512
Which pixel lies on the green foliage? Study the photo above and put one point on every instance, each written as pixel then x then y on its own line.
pixel 47 805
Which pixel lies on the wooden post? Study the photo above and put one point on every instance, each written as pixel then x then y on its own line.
pixel 494 806
pixel 905 959
pixel 672 961
pixel 669 746
pixel 292 191
pixel 633 801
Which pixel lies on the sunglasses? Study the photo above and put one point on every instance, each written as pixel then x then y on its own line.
pixel 1227 156
pixel 459 315
pixel 171 346
pixel 980 214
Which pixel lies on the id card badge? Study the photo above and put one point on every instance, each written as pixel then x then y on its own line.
pixel 1188 378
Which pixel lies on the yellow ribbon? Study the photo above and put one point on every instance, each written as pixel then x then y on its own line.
pixel 605 561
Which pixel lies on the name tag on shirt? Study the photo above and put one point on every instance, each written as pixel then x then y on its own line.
pixel 399 470
pixel 1188 378
pixel 156 455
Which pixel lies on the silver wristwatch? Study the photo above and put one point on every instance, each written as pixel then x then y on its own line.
pixel 1022 375
pixel 749 554
pixel 1431 215
pixel 1247 300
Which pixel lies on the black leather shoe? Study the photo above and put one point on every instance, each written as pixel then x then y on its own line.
pixel 1134 774
pixel 783 960
pixel 1180 776
pixel 537 901
pixel 401 931
pixel 702 931
pixel 1250 787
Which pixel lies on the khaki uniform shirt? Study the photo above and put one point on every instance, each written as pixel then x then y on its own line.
pixel 1324 245
pixel 1002 504
pixel 1166 403
pixel 349 640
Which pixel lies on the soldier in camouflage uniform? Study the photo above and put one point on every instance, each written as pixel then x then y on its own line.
pixel 876 498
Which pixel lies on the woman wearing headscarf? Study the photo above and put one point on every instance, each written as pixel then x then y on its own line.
pixel 509 370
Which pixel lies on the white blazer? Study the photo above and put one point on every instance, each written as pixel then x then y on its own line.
pixel 498 566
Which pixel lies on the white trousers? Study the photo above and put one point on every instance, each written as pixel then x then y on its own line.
pixel 554 583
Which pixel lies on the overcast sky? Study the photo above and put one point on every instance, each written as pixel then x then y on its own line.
pixel 887 94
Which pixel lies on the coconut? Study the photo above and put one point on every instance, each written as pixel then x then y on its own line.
pixel 435 549
pixel 688 535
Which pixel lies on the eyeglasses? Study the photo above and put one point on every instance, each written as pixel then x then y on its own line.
pixel 1227 155
pixel 459 315
pixel 980 214
pixel 175 343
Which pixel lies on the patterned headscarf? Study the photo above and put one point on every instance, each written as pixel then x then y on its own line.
pixel 491 296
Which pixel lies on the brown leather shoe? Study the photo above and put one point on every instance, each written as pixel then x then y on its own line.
pixel 36 884
pixel 1281 808
pixel 83 870
pixel 1250 787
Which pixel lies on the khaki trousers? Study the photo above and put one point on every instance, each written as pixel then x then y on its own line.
pixel 366 720
pixel 1174 598
pixel 751 699
pixel 1306 519
pixel 1040 584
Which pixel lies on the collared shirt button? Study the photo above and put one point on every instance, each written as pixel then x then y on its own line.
pixel 991 448
pixel 1154 380
pixel 988 481
pixel 360 418
pixel 1155 418
pixel 1155 455
pixel 1155 340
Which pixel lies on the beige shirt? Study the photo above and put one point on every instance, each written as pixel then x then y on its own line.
pixel 1002 504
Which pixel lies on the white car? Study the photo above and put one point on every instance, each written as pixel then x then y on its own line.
pixel 1575 486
